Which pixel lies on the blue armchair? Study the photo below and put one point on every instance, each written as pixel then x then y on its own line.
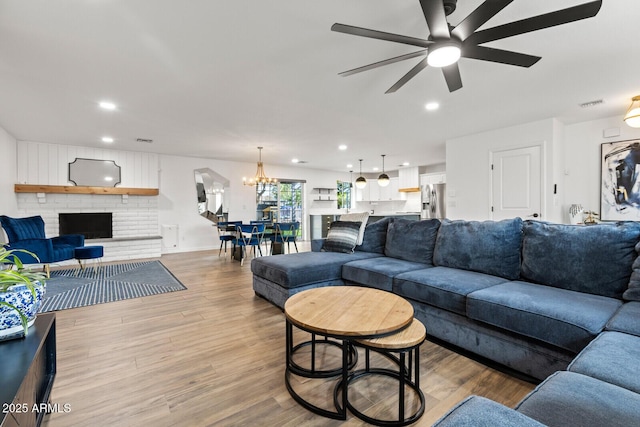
pixel 28 234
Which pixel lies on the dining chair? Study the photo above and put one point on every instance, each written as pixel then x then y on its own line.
pixel 248 235
pixel 285 232
pixel 268 229
pixel 226 233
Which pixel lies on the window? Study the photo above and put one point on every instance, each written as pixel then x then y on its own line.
pixel 280 202
pixel 344 195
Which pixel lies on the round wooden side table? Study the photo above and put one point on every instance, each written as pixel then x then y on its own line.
pixel 340 314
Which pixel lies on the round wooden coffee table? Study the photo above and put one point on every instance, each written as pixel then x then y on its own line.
pixel 345 314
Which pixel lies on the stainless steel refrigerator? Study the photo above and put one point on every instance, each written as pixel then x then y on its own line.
pixel 434 204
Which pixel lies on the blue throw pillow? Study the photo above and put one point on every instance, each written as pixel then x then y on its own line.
pixel 490 247
pixel 633 292
pixel 595 259
pixel 412 240
pixel 375 236
pixel 342 237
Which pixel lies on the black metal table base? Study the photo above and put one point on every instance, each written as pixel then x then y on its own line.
pixel 349 361
pixel 407 375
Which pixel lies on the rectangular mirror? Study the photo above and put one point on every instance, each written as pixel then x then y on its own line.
pixel 94 173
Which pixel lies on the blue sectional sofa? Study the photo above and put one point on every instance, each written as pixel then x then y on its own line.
pixel 556 302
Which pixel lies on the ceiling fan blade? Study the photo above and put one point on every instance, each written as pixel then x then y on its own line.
pixel 484 53
pixel 452 76
pixel 415 70
pixel 478 17
pixel 436 19
pixel 559 17
pixel 381 35
pixel 385 62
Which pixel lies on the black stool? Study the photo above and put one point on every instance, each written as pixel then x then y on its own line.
pixel 403 343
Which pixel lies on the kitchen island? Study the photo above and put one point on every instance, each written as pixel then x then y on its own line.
pixel 319 224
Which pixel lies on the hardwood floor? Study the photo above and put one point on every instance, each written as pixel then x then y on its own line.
pixel 214 355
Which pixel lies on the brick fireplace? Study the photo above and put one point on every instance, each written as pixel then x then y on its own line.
pixel 135 229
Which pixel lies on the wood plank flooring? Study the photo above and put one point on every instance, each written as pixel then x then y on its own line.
pixel 213 355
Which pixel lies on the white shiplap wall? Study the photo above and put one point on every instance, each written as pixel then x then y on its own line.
pixel 135 218
pixel 48 164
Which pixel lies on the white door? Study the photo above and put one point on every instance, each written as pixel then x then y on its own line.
pixel 516 183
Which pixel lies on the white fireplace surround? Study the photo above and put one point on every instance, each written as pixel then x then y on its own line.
pixel 135 220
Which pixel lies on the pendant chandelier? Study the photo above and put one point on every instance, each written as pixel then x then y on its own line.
pixel 261 177
pixel 361 182
pixel 383 179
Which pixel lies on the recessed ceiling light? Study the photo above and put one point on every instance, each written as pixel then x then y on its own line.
pixel 108 178
pixel 375 169
pixel 349 165
pixel 431 106
pixel 105 105
pixel 107 139
pixel 406 164
pixel 342 147
pixel 294 160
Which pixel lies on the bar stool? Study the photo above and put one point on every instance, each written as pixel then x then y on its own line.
pixel 395 347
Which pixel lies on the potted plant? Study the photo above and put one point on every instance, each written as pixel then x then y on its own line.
pixel 21 293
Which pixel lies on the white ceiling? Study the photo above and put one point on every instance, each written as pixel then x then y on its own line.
pixel 216 79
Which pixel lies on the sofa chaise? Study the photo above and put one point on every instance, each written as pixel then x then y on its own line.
pixel 544 299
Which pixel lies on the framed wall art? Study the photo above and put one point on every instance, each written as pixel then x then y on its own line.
pixel 620 181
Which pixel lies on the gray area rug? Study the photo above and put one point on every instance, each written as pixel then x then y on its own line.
pixel 109 283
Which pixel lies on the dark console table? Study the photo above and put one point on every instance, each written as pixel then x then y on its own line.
pixel 27 370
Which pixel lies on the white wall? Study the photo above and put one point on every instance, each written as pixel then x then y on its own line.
pixel 178 195
pixel 8 201
pixel 582 159
pixel 48 164
pixel 572 158
pixel 469 168
pixel 572 161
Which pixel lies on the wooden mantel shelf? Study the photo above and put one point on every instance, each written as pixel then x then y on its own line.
pixel 72 189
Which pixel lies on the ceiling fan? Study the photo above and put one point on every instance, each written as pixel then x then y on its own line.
pixel 447 44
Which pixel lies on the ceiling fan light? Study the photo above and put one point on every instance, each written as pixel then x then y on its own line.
pixel 443 54
pixel 383 180
pixel 632 118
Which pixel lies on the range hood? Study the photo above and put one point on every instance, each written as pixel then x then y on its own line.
pixel 409 180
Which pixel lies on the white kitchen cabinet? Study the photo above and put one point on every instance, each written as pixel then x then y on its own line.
pixel 433 178
pixel 374 190
pixel 374 193
pixel 409 179
pixel 362 194
pixel 390 192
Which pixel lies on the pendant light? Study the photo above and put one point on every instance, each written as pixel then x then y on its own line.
pixel 383 179
pixel 261 177
pixel 361 182
pixel 632 118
